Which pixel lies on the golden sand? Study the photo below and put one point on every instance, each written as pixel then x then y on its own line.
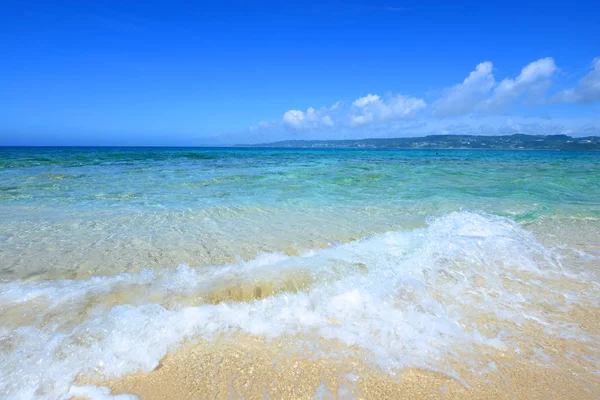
pixel 534 364
pixel 256 368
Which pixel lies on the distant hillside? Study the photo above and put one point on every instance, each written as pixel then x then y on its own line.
pixel 512 142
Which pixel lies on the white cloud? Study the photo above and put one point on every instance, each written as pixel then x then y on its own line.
pixel 587 89
pixel 364 110
pixel 364 101
pixel 310 119
pixel 294 117
pixel 327 120
pixel 477 105
pixel 464 97
pixel 373 108
pixel 533 79
pixel 480 93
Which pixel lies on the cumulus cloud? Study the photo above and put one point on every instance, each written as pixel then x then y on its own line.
pixel 372 108
pixel 479 92
pixel 477 105
pixel 587 89
pixel 365 101
pixel 310 118
pixel 464 97
pixel 533 79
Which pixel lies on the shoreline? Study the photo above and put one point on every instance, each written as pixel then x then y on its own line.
pixel 255 368
pixel 532 363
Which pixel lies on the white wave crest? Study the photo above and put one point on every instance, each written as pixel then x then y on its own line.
pixel 405 298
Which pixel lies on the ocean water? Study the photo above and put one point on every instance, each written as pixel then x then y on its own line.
pixel 111 258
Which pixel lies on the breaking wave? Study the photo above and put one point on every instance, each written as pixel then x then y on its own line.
pixel 405 298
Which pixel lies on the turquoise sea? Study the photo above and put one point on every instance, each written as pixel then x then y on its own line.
pixel 404 249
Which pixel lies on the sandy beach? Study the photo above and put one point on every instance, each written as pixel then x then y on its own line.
pixel 256 369
pixel 293 274
pixel 536 365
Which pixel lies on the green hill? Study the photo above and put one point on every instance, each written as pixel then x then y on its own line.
pixel 509 142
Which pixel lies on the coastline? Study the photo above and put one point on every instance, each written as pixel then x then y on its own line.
pixel 532 363
pixel 255 368
pixel 299 274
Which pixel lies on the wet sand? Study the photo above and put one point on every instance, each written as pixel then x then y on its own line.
pixel 243 366
pixel 244 371
pixel 533 363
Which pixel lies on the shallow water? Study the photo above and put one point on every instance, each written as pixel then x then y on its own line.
pixel 111 258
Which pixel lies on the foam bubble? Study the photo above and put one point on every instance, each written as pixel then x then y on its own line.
pixel 404 298
pixel 97 393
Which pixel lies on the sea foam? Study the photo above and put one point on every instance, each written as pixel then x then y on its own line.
pixel 406 298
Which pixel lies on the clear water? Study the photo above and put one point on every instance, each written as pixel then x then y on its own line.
pixel 133 180
pixel 82 212
pixel 101 248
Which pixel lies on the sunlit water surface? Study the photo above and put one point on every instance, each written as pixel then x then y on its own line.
pixel 409 258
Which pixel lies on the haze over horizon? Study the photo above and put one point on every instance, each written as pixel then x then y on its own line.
pixel 158 73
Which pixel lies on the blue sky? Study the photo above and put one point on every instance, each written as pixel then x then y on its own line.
pixel 192 73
